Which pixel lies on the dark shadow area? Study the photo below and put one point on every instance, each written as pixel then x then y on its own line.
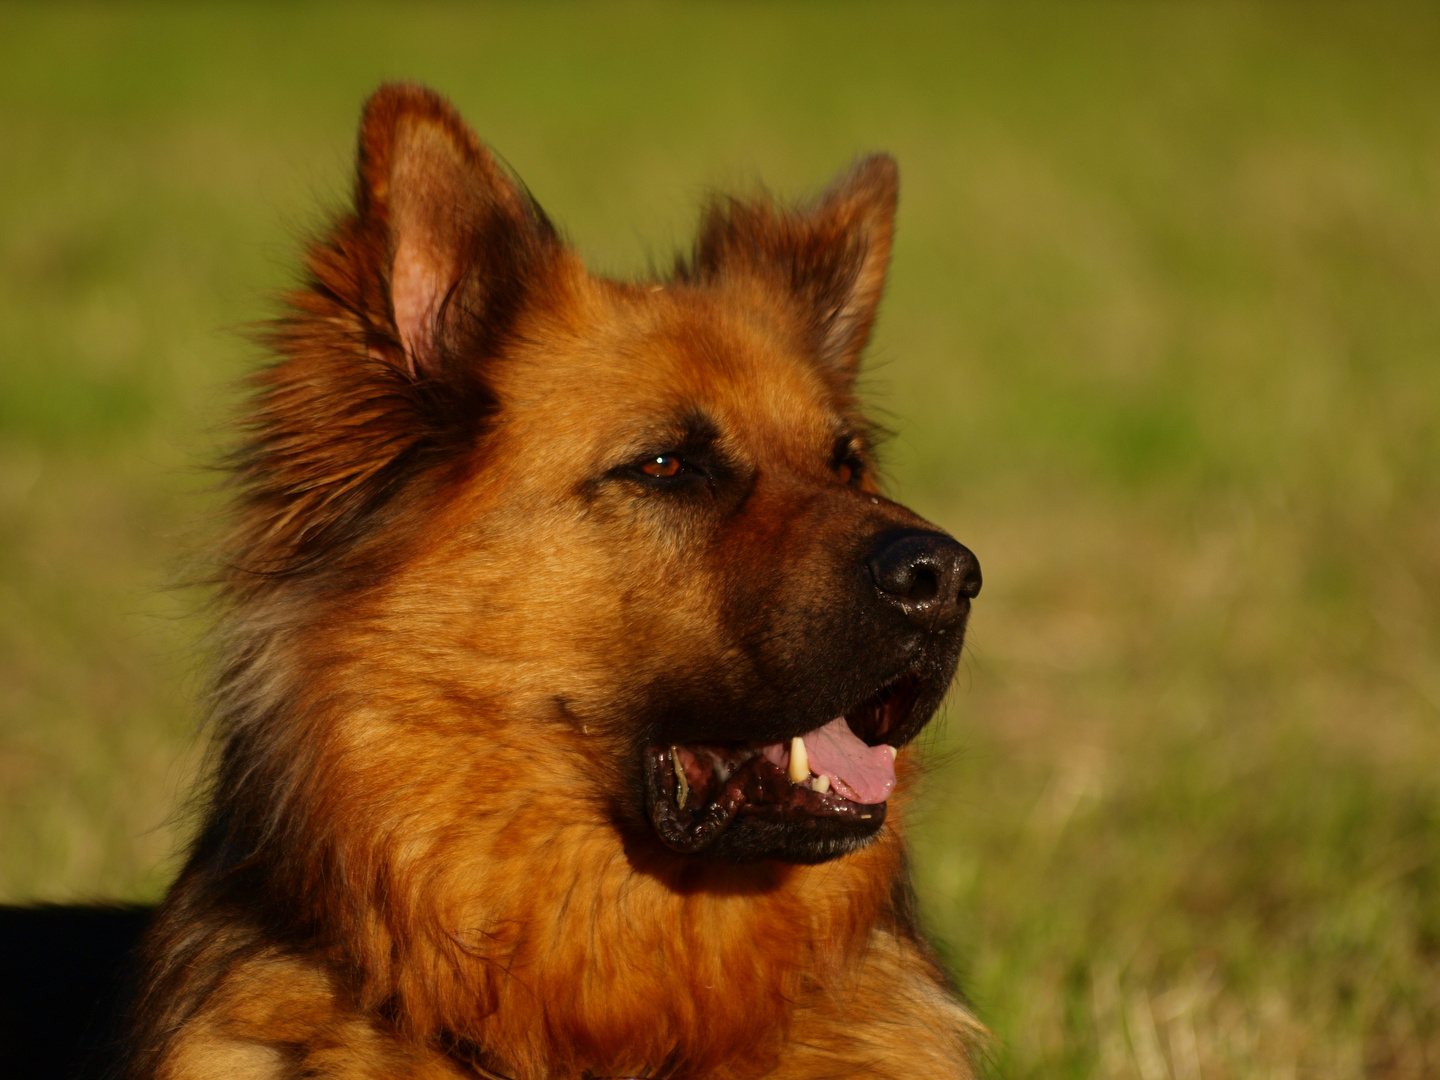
pixel 65 973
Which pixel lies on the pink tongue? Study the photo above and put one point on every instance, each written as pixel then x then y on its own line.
pixel 863 774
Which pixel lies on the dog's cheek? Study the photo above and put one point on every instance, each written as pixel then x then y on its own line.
pixel 609 602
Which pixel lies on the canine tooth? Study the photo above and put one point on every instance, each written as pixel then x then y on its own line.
pixel 894 753
pixel 683 791
pixel 799 770
pixel 821 783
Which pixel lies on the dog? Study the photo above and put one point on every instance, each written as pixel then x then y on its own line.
pixel 569 660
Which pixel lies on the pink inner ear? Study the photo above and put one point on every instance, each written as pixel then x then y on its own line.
pixel 417 285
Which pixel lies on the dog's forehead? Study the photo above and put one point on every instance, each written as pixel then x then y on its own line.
pixel 638 358
pixel 749 377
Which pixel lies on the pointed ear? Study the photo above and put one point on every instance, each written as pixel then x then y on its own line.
pixel 380 357
pixel 831 257
pixel 457 239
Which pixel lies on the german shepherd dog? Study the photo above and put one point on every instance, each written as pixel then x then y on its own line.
pixel 570 659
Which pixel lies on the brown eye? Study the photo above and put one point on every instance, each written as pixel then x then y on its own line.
pixel 846 460
pixel 664 465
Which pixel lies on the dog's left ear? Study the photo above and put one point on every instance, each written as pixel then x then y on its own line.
pixel 831 257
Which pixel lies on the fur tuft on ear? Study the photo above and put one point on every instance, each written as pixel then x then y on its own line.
pixel 831 257
pixel 382 357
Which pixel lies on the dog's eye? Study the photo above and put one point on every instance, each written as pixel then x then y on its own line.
pixel 850 470
pixel 846 461
pixel 673 472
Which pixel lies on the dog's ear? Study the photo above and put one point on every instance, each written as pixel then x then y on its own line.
pixel 831 256
pixel 381 356
pixel 455 240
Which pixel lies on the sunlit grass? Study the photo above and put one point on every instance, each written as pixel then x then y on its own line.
pixel 1162 345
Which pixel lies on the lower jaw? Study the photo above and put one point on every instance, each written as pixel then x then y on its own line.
pixel 754 837
pixel 759 814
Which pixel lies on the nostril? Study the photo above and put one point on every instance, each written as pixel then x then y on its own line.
pixel 929 576
pixel 925 585
pixel 917 568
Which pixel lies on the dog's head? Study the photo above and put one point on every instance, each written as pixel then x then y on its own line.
pixel 634 527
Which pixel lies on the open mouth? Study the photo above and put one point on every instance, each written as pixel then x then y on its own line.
pixel 833 778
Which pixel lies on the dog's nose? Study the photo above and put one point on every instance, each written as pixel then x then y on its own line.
pixel 929 576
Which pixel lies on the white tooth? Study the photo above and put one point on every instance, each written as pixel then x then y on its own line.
pixel 799 761
pixel 682 790
pixel 894 753
pixel 821 783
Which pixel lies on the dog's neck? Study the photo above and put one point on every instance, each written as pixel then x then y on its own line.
pixel 523 925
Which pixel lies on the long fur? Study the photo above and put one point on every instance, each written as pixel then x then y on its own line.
pixel 418 858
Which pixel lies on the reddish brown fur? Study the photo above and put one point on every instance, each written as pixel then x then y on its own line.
pixel 413 864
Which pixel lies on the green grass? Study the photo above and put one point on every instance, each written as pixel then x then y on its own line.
pixel 1162 345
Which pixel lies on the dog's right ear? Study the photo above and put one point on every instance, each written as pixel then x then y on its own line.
pixel 382 355
pixel 454 241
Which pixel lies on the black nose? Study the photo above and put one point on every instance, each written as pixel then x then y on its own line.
pixel 929 576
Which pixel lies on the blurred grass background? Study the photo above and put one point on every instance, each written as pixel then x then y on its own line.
pixel 1162 345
